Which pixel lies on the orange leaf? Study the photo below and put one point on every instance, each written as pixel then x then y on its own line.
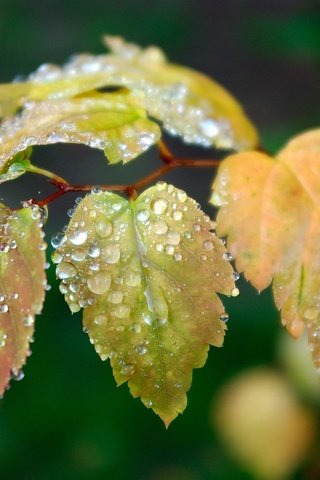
pixel 270 213
pixel 22 282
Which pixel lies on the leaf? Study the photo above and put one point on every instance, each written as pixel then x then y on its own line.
pixel 16 166
pixel 112 123
pixel 22 286
pixel 188 103
pixel 270 214
pixel 146 273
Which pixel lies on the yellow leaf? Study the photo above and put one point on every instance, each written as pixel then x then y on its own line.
pixel 189 104
pixel 110 122
pixel 270 214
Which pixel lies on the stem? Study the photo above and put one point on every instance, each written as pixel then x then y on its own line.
pixel 46 173
pixel 170 163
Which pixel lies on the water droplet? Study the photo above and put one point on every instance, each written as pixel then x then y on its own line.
pixel 235 292
pixel 178 257
pixel 169 249
pixel 122 311
pixel 203 257
pixel 112 254
pixel 136 328
pixel 160 228
pixel 78 237
pixel 141 349
pixel 182 196
pixel 133 279
pixel 224 317
pixel 97 190
pixel 173 238
pixel 143 215
pixel 99 283
pixel 147 403
pixel 17 375
pixel 4 308
pixel 74 307
pixel 227 256
pixel 94 251
pixel 28 320
pixel 159 206
pixel 161 185
pixel 197 227
pixel 116 206
pixel 58 239
pixel 66 270
pixel 13 244
pixel 56 257
pixel 100 319
pixel 104 228
pixel 63 288
pixel 74 287
pixel 78 255
pixel 235 276
pixel 159 247
pixel 177 215
pixel 187 235
pixel 94 266
pixel 208 245
pixel 115 296
pixel 3 339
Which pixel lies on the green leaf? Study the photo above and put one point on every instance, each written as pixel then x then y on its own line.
pixel 110 122
pixel 146 273
pixel 189 104
pixel 16 166
pixel 22 286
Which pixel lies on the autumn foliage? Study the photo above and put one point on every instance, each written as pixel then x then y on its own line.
pixel 147 269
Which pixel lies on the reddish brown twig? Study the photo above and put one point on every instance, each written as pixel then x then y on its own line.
pixel 170 163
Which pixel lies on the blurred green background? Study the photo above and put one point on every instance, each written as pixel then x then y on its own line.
pixel 67 419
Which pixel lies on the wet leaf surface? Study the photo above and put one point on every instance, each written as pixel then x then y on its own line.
pixel 147 273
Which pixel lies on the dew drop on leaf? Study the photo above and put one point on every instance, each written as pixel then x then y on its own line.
pixel 99 283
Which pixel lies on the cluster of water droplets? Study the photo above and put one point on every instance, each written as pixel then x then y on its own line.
pixel 182 112
pixel 173 225
pixel 88 255
pixel 69 121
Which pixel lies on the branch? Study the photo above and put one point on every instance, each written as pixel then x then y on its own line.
pixel 170 163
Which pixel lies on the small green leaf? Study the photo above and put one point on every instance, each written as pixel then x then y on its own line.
pixel 22 286
pixel 110 122
pixel 146 273
pixel 16 166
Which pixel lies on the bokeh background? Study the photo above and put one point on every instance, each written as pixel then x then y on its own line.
pixel 67 419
